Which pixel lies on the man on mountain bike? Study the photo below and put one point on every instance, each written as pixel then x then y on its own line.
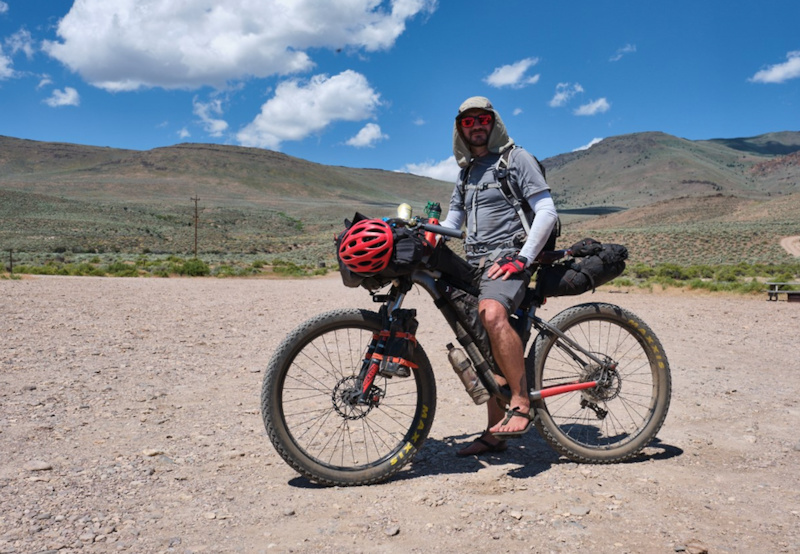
pixel 499 248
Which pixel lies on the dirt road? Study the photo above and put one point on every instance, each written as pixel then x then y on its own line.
pixel 791 245
pixel 129 422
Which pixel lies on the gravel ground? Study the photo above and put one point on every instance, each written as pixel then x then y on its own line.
pixel 129 421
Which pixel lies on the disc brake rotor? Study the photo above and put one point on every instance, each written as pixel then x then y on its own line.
pixel 609 383
pixel 345 395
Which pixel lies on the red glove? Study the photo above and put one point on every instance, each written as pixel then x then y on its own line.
pixel 511 264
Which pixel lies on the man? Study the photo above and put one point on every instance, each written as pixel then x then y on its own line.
pixel 497 244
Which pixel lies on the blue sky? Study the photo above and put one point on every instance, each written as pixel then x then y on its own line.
pixel 365 83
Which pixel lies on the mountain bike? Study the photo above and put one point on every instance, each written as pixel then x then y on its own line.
pixel 598 376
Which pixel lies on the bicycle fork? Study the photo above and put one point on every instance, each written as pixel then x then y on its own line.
pixel 369 394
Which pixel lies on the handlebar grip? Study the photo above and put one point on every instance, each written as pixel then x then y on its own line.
pixel 439 230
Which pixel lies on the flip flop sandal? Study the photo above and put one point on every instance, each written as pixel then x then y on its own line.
pixel 485 448
pixel 514 412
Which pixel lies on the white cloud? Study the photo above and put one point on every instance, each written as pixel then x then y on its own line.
pixel 587 146
pixel 44 82
pixel 517 111
pixel 3 7
pixel 564 93
pixel 67 97
pixel 300 108
pixel 445 170
pixel 130 44
pixel 594 107
pixel 6 66
pixel 367 136
pixel 513 75
pixel 207 111
pixel 627 49
pixel 21 41
pixel 184 133
pixel 781 72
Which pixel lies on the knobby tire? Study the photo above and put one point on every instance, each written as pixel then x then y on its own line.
pixel 321 435
pixel 633 405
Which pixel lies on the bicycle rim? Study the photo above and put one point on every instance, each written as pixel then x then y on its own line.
pixel 313 425
pixel 615 421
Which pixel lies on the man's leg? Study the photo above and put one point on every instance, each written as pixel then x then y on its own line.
pixel 508 353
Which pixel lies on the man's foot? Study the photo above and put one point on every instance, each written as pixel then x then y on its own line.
pixel 485 444
pixel 517 422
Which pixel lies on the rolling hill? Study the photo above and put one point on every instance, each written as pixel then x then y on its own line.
pixel 721 200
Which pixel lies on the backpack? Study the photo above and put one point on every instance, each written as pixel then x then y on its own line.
pixel 515 197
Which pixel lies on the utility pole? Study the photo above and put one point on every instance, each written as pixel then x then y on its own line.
pixel 196 219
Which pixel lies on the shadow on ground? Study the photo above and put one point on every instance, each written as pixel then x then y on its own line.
pixel 530 453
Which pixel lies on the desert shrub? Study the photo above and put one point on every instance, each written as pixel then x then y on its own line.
pixel 121 269
pixel 47 269
pixel 672 271
pixel 85 269
pixel 727 274
pixel 288 269
pixel 194 267
pixel 641 271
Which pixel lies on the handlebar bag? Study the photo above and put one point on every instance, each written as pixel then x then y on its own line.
pixel 408 251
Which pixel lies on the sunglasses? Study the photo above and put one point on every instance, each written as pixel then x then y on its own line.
pixel 471 120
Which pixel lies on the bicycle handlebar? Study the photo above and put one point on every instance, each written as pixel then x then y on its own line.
pixel 439 230
pixel 416 223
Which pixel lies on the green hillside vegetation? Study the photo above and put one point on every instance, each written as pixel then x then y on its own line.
pixel 670 200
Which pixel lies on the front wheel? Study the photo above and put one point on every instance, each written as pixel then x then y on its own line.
pixel 308 403
pixel 615 420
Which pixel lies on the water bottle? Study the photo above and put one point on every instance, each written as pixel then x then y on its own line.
pixel 462 365
pixel 433 210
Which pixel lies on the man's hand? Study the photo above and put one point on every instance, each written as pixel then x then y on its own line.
pixel 507 266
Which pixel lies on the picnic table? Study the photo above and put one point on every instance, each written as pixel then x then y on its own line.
pixel 781 288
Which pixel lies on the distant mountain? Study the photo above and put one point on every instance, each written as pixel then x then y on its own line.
pixel 640 169
pixel 223 176
pixel 67 197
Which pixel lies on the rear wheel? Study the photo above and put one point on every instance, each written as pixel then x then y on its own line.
pixel 308 407
pixel 617 419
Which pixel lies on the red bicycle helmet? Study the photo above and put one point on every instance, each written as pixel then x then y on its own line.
pixel 366 247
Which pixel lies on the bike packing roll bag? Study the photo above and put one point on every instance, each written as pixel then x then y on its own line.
pixel 398 354
pixel 578 275
pixel 407 254
pixel 408 251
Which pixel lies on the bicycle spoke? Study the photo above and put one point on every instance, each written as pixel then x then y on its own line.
pixel 616 412
pixel 319 408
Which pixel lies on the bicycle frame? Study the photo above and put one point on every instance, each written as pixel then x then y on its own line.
pixel 433 283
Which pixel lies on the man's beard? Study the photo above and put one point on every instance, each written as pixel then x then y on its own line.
pixel 482 138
